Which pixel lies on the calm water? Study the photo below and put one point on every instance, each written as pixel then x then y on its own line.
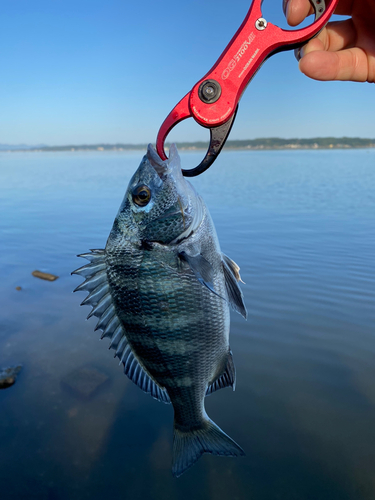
pixel 301 225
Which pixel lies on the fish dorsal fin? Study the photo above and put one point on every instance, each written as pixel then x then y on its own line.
pixel 226 379
pixel 232 277
pixel 99 297
pixel 137 374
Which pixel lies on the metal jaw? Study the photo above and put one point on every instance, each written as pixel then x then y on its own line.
pixel 319 7
pixel 218 137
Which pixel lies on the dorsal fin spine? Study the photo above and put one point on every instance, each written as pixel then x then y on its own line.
pixel 124 354
pixel 116 337
pixel 111 327
pixel 97 293
pixel 101 306
pixel 105 318
pixel 121 345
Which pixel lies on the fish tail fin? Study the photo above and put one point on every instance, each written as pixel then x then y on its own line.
pixel 189 445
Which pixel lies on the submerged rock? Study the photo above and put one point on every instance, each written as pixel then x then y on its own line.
pixel 84 382
pixel 44 276
pixel 8 376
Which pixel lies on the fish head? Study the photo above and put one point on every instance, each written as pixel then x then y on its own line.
pixel 160 204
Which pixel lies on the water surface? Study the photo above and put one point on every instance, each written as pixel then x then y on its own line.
pixel 301 226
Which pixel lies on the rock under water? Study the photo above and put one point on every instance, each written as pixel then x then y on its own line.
pixel 8 376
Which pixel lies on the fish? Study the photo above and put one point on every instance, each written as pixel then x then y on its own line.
pixel 162 290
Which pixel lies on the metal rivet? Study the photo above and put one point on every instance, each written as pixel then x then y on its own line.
pixel 261 24
pixel 209 91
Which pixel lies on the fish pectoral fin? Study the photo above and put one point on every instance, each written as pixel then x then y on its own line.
pixel 226 379
pixel 202 269
pixel 232 276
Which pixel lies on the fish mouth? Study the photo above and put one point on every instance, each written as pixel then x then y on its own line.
pixel 172 164
pixel 160 166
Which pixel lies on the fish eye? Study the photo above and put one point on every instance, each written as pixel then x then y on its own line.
pixel 141 195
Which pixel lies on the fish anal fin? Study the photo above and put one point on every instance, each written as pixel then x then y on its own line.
pixel 226 379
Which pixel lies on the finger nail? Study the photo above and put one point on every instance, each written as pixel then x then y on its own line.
pixel 285 6
pixel 299 53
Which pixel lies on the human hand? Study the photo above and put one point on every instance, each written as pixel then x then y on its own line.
pixel 344 50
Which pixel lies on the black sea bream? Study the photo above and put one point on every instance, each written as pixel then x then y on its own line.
pixel 161 290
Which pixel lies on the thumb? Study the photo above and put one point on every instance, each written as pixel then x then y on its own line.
pixel 349 64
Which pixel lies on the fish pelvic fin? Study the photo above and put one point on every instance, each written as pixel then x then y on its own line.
pixel 190 444
pixel 232 277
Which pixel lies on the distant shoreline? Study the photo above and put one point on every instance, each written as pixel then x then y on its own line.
pixel 272 143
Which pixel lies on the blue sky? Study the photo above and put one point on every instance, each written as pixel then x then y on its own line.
pixel 75 72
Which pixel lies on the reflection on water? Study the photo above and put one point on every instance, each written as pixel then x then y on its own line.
pixel 301 226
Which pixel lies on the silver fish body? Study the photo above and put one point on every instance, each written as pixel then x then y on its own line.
pixel 161 290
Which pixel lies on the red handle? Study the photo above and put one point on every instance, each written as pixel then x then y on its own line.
pixel 253 43
pixel 214 99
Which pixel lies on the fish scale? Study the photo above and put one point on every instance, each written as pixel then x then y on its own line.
pixel 161 291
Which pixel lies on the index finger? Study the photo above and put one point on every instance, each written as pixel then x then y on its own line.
pixel 297 10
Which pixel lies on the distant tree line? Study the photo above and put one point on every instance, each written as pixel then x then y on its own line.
pixel 262 143
pixel 321 142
